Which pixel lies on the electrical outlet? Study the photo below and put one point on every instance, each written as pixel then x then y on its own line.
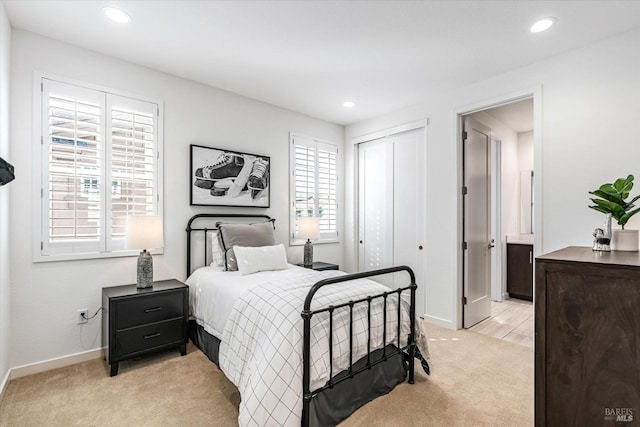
pixel 83 312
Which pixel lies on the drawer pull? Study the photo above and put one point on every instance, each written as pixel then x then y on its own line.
pixel 157 334
pixel 151 310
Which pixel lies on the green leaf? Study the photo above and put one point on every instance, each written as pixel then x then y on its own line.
pixel 624 218
pixel 599 209
pixel 609 189
pixel 606 196
pixel 615 209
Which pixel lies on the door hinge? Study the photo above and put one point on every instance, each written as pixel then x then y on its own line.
pixel 41 246
pixel 465 135
pixel 464 300
pixel 465 190
pixel 42 193
pixel 464 246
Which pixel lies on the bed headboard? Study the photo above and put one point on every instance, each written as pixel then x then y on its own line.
pixel 207 222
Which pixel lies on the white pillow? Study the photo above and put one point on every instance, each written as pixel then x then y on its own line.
pixel 260 258
pixel 217 253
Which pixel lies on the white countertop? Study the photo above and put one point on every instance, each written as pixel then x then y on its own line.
pixel 522 239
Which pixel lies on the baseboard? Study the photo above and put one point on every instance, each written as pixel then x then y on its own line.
pixel 439 322
pixel 59 362
pixel 5 383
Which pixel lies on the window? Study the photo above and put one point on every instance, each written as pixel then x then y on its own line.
pixel 314 185
pixel 100 161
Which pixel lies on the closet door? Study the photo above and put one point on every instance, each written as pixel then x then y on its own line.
pixel 376 197
pixel 392 219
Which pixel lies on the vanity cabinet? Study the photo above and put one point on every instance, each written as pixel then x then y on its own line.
pixel 520 271
pixel 587 338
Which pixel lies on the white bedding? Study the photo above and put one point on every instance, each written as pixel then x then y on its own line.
pixel 213 292
pixel 257 317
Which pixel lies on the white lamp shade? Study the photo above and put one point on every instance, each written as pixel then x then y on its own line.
pixel 144 232
pixel 308 227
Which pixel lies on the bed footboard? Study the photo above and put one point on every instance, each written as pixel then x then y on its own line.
pixel 307 314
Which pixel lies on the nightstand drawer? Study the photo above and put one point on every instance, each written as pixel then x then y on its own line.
pixel 150 309
pixel 149 336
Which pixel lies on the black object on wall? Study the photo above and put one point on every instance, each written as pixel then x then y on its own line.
pixel 6 172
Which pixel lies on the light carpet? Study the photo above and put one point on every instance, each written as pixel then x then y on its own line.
pixel 475 381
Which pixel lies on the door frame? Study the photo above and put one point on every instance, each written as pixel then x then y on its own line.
pixel 534 93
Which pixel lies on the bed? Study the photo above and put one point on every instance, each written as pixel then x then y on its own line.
pixel 303 347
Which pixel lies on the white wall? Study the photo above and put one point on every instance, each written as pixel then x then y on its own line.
pixel 525 150
pixel 589 105
pixel 46 296
pixel 5 277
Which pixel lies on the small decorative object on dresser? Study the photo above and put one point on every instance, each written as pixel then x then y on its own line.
pixel 144 232
pixel 308 228
pixel 612 200
pixel 140 321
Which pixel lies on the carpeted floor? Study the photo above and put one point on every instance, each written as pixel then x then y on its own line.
pixel 475 381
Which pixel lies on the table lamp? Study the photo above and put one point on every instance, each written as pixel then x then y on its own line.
pixel 144 232
pixel 308 228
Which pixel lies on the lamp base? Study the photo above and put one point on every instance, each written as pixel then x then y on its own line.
pixel 145 270
pixel 308 255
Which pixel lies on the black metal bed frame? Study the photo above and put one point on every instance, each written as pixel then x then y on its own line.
pixel 190 229
pixel 307 314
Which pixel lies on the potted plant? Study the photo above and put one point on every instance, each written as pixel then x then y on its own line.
pixel 611 199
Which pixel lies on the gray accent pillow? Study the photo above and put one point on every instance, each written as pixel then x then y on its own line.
pixel 247 235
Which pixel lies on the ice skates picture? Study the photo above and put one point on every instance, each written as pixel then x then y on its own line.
pixel 228 178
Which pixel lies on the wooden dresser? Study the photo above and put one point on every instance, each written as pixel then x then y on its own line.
pixel 587 343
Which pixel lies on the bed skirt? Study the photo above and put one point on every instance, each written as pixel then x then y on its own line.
pixel 331 406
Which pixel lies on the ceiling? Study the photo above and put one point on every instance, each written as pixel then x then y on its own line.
pixel 311 56
pixel 518 116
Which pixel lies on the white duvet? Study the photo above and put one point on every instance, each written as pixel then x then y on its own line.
pixel 257 318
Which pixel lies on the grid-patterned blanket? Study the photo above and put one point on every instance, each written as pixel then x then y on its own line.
pixel 261 350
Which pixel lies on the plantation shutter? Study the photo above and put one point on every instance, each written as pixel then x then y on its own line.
pixel 100 163
pixel 133 164
pixel 314 184
pixel 327 176
pixel 305 178
pixel 73 175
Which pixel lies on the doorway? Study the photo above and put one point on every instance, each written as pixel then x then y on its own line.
pixel 497 206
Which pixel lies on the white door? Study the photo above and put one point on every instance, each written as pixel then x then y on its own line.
pixel 477 217
pixel 392 218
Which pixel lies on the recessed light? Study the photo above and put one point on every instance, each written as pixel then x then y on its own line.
pixel 116 15
pixel 542 25
pixel 348 104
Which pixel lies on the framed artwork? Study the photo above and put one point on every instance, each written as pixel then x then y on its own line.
pixel 228 178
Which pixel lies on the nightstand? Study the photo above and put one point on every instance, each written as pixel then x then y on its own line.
pixel 321 266
pixel 140 321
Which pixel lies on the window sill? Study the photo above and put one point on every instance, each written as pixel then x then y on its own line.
pixel 299 242
pixel 38 258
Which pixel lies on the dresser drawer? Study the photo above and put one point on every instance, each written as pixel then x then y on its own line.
pixel 149 309
pixel 149 336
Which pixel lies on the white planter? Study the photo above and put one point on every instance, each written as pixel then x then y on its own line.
pixel 624 240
